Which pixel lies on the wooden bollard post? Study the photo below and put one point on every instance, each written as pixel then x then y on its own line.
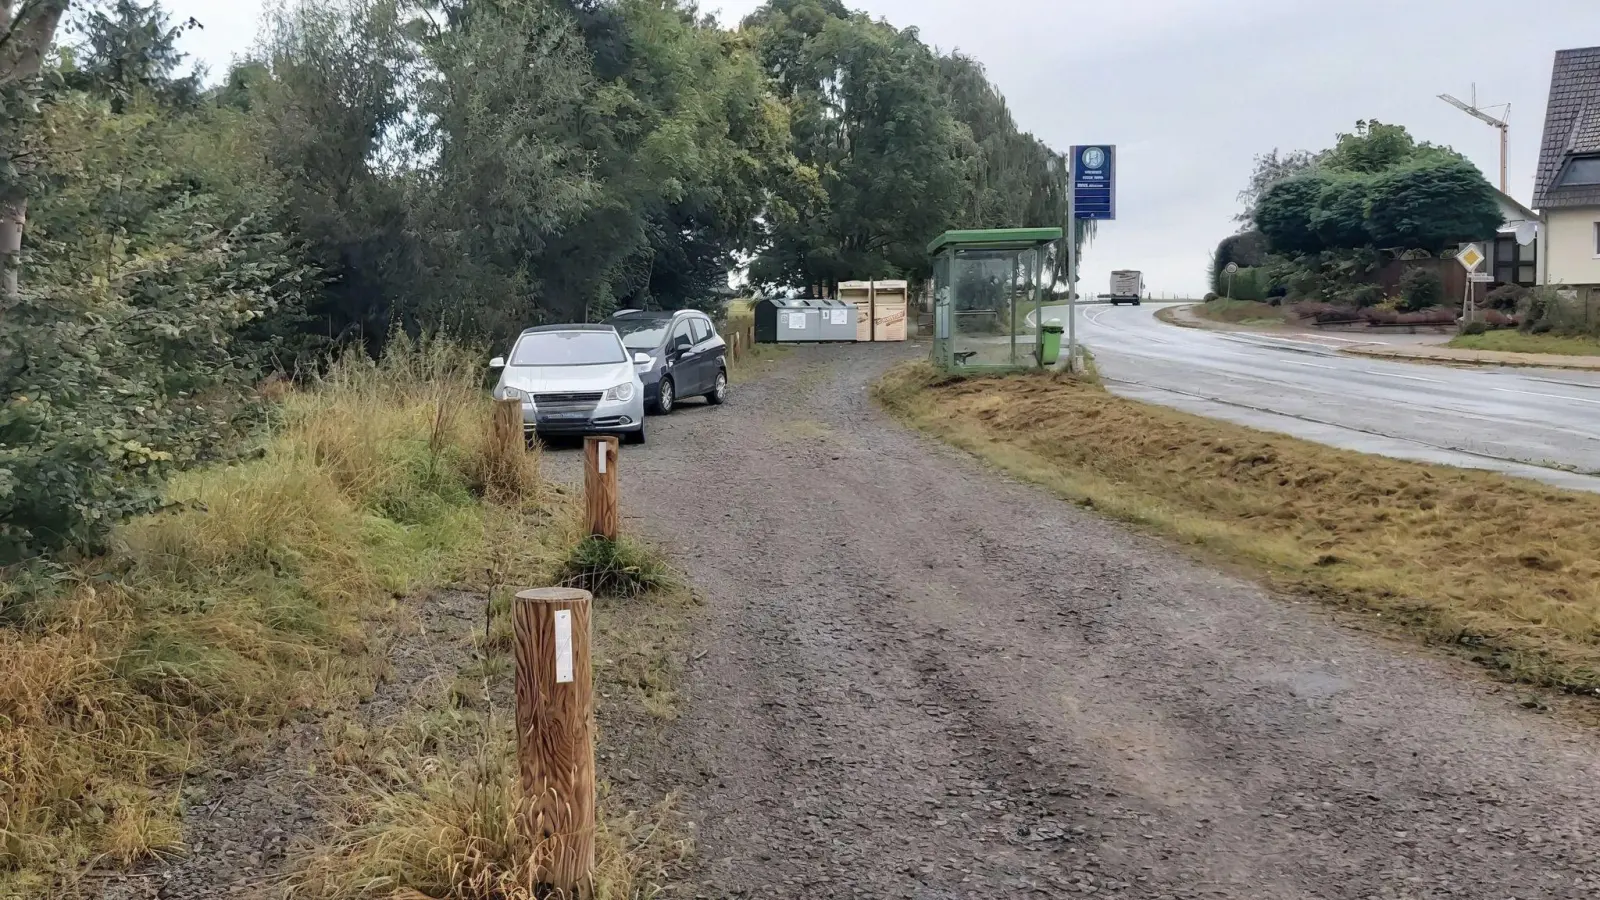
pixel 555 738
pixel 602 513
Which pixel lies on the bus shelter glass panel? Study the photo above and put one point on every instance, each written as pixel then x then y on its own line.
pixel 988 307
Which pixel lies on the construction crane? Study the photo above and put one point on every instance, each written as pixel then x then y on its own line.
pixel 1503 123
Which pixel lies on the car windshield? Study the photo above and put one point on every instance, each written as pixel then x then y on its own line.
pixel 568 348
pixel 642 333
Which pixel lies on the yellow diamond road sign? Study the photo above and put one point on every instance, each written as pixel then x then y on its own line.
pixel 1471 257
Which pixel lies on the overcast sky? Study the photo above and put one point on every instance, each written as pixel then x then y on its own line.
pixel 1191 90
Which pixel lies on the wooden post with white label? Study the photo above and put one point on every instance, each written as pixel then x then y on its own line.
pixel 555 738
pixel 602 513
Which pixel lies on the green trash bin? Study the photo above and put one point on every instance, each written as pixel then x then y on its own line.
pixel 1050 343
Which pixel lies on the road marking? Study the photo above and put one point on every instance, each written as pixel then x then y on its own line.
pixel 1551 396
pixel 1316 338
pixel 1406 377
pixel 1296 362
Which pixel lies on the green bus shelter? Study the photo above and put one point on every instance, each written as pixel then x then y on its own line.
pixel 988 290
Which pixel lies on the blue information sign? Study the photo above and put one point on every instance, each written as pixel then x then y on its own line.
pixel 1094 181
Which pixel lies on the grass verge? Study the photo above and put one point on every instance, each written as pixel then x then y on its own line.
pixel 1242 312
pixel 1508 340
pixel 266 593
pixel 434 815
pixel 1504 570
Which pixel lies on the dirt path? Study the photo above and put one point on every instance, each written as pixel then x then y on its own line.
pixel 921 679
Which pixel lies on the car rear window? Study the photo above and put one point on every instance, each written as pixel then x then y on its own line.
pixel 642 333
pixel 568 348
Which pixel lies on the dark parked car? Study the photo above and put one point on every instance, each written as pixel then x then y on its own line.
pixel 687 356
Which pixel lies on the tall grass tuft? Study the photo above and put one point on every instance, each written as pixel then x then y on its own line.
pixel 618 568
pixel 453 834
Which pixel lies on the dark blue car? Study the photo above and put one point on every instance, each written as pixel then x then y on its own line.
pixel 687 358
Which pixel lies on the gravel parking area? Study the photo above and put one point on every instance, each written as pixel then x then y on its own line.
pixel 915 677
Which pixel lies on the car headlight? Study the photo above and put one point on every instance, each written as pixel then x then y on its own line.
pixel 622 392
pixel 512 393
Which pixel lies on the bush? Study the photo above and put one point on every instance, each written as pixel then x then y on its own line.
pixel 1210 296
pixel 1475 328
pixel 1336 315
pixel 1247 284
pixel 1360 296
pixel 1246 250
pixel 1420 289
pixel 1506 297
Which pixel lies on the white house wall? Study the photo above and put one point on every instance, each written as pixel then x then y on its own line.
pixel 1570 246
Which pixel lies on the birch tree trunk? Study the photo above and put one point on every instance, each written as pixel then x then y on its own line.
pixel 27 28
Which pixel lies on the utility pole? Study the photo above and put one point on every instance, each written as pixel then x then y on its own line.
pixel 1503 124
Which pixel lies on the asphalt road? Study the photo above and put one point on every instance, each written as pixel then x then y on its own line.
pixel 1536 423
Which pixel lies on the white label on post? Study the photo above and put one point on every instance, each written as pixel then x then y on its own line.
pixel 601 451
pixel 564 646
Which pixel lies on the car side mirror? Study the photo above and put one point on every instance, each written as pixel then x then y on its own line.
pixel 499 362
pixel 683 343
pixel 642 359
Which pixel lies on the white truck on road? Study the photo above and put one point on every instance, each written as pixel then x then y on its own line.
pixel 1127 286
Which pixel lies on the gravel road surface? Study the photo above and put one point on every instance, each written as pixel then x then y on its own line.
pixel 921 679
pixel 1534 423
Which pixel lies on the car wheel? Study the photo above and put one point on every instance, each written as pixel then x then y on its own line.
pixel 666 397
pixel 719 394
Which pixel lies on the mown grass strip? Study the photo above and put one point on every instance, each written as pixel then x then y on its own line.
pixel 1512 341
pixel 1506 571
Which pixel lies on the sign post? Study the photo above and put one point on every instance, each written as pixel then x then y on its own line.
pixel 1231 269
pixel 1471 257
pixel 1092 197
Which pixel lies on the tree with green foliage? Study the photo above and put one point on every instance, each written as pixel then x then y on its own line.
pixel 1285 214
pixel 869 117
pixel 1378 187
pixel 129 47
pixel 1269 169
pixel 1339 218
pixel 1432 205
pixel 27 31
pixel 121 359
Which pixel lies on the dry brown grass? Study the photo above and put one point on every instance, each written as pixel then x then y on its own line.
pixel 253 598
pixel 433 811
pixel 452 834
pixel 1505 570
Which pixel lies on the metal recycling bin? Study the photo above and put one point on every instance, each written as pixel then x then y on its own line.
pixel 784 320
pixel 837 320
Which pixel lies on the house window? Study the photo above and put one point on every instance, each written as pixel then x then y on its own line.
pixel 1514 263
pixel 1585 170
pixel 1597 240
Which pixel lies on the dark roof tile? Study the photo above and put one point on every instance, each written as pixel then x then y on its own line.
pixel 1571 126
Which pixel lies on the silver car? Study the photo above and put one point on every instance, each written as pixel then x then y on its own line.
pixel 574 380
